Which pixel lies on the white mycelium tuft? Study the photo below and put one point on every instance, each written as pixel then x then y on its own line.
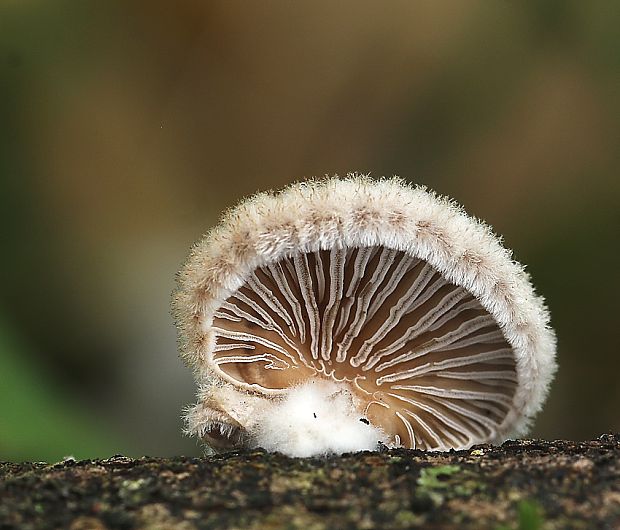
pixel 410 307
pixel 315 418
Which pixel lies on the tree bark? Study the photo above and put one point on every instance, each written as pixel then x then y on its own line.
pixel 525 485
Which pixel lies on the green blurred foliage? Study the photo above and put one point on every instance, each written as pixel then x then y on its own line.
pixel 38 418
pixel 126 127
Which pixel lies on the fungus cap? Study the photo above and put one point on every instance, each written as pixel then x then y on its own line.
pixel 377 291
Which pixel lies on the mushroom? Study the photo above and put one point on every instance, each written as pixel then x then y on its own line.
pixel 340 314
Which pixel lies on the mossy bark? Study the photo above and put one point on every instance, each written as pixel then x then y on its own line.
pixel 526 484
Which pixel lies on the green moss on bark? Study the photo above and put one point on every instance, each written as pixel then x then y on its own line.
pixel 526 485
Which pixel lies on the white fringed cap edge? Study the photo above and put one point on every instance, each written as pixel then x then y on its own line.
pixel 358 211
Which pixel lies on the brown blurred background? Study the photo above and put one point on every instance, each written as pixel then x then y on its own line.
pixel 126 127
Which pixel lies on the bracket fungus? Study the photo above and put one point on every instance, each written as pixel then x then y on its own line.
pixel 340 314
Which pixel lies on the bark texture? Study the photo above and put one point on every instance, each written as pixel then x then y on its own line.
pixel 525 485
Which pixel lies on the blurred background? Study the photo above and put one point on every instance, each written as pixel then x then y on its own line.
pixel 126 127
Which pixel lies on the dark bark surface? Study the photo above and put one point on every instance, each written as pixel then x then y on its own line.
pixel 526 485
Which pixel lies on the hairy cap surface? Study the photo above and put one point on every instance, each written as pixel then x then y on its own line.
pixel 396 295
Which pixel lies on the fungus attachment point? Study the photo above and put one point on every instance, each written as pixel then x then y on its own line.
pixel 314 418
pixel 344 313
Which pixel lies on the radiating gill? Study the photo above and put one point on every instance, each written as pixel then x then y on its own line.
pixel 428 363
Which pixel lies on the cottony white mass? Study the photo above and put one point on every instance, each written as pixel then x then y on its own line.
pixel 377 306
pixel 317 417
